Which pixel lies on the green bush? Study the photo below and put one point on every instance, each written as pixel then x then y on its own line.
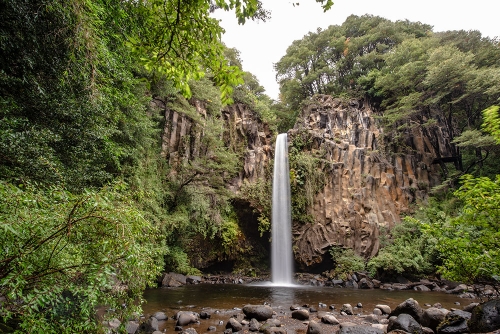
pixel 409 250
pixel 62 256
pixel 346 262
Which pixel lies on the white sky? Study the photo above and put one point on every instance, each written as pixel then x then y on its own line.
pixel 263 44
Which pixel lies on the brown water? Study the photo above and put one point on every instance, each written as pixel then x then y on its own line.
pixel 226 298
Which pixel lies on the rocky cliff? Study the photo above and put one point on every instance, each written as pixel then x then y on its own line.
pixel 366 188
pixel 367 185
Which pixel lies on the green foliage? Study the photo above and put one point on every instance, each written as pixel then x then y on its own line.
pixel 306 177
pixel 411 251
pixel 62 256
pixel 491 122
pixel 468 243
pixel 346 262
pixel 331 61
pixel 258 195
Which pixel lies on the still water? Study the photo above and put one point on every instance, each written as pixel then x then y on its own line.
pixel 230 296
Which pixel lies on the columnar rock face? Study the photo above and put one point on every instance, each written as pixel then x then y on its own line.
pixel 252 137
pixel 243 132
pixel 366 190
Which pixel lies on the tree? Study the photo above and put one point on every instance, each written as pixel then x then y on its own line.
pixel 62 256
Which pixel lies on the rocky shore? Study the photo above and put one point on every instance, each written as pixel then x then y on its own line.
pixel 407 317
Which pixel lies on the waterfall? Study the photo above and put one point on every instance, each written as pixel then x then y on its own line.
pixel 281 230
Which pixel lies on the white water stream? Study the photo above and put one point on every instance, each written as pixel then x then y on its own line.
pixel 281 230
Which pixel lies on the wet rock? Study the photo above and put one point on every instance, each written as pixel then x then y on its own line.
pixel 454 322
pixel 360 330
pixel 149 326
pixel 421 287
pixel 188 331
pixel 386 309
pixel 301 314
pixel 470 307
pixel 371 318
pixel 113 324
pixel 259 312
pixel 160 316
pixel 377 311
pixel 254 325
pixel 409 306
pixel 234 325
pixel 274 330
pixel 204 315
pixel 329 319
pixel 313 328
pixel 427 330
pixel 433 316
pixel 132 327
pixel 380 326
pixel 211 328
pixel 192 279
pixel 485 317
pixel 406 323
pixel 173 280
pixel 186 317
pixel 347 309
pixel 365 283
pixel 459 289
pixel 351 284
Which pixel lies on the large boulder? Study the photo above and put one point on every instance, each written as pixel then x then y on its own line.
pixel 301 314
pixel 258 312
pixel 386 309
pixel 433 316
pixel 329 319
pixel 409 306
pixel 347 309
pixel 313 328
pixel 454 322
pixel 406 323
pixel 365 283
pixel 186 317
pixel 485 317
pixel 234 325
pixel 173 280
pixel 160 316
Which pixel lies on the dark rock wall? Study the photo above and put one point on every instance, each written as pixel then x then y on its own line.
pixel 366 189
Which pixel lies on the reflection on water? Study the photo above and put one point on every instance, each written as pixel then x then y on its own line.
pixel 229 296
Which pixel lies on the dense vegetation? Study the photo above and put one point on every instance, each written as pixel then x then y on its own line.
pixel 90 210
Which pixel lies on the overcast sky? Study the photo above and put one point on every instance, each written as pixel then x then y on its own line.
pixel 263 44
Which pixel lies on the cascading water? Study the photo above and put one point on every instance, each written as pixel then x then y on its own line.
pixel 281 230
